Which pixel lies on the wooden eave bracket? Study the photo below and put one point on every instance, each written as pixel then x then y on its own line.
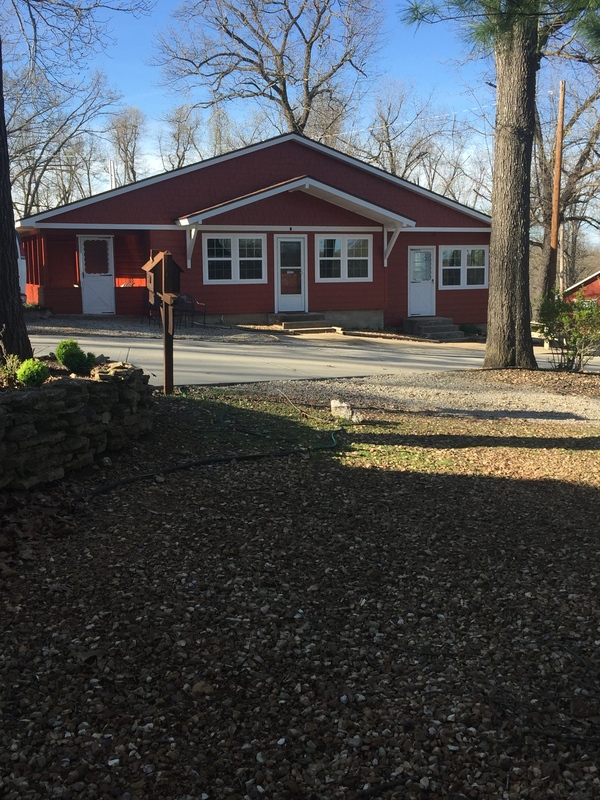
pixel 191 235
pixel 390 245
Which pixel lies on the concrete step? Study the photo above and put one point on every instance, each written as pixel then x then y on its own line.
pixel 302 323
pixel 295 316
pixel 438 328
pixel 301 331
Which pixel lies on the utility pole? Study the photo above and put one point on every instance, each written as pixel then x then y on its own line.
pixel 551 276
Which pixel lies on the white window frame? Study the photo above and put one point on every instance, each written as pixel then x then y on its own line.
pixel 463 266
pixel 235 258
pixel 344 257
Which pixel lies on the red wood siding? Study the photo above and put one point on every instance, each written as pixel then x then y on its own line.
pixel 590 289
pixel 462 305
pixel 213 183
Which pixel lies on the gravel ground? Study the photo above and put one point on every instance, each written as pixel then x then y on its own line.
pixel 482 394
pixel 306 627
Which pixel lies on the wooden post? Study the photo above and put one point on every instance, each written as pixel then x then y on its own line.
pixel 167 321
pixel 552 262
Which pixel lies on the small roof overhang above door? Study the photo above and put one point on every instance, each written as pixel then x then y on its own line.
pixel 313 187
pixel 389 220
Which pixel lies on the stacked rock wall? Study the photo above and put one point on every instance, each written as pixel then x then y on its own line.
pixel 60 427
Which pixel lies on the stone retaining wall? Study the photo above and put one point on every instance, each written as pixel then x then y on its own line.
pixel 61 426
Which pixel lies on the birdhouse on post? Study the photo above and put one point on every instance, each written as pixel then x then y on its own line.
pixel 163 281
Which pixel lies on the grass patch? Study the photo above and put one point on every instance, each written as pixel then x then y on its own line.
pixel 232 423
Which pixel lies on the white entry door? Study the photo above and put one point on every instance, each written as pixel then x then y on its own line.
pixel 421 281
pixel 97 274
pixel 291 273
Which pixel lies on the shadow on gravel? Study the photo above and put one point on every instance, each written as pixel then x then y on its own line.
pixel 312 629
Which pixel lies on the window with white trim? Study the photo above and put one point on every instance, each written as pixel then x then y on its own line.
pixel 464 267
pixel 343 258
pixel 235 258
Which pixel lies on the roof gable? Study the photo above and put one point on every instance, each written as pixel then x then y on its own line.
pixel 312 187
pixel 201 176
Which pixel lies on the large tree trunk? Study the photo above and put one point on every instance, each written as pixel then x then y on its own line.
pixel 509 334
pixel 12 321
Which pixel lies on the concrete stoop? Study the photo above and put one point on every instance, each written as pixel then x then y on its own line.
pixel 299 323
pixel 440 329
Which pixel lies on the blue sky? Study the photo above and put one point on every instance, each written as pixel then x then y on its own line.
pixel 427 58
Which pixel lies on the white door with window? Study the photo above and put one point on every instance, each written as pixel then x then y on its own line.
pixel 290 280
pixel 421 281
pixel 97 274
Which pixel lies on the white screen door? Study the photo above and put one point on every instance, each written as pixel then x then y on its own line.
pixel 421 281
pixel 97 274
pixel 291 278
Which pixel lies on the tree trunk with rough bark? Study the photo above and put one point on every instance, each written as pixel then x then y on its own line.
pixel 12 321
pixel 509 335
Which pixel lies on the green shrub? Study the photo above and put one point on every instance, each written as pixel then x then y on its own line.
pixel 573 330
pixel 33 372
pixel 71 356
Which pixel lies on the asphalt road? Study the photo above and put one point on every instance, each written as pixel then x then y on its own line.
pixel 217 361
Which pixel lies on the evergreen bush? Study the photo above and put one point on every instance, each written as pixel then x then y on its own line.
pixel 71 356
pixel 33 372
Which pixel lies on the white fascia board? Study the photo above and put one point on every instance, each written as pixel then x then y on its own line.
pixel 483 229
pixel 315 189
pixel 98 226
pixel 582 281
pixel 291 228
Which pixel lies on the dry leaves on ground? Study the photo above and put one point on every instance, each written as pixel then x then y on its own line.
pixel 412 614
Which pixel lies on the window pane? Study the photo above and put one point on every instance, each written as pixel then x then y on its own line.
pixel 358 268
pixel 476 276
pixel 250 270
pixel 250 248
pixel 330 268
pixel 450 277
pixel 358 248
pixel 330 248
pixel 476 258
pixel 95 257
pixel 219 270
pixel 290 254
pixel 421 265
pixel 218 248
pixel 451 258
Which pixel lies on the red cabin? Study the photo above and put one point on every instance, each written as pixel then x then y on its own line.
pixel 287 225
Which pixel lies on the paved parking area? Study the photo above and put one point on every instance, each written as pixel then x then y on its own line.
pixel 233 355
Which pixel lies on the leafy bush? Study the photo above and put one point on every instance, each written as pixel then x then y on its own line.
pixel 33 372
pixel 71 356
pixel 573 330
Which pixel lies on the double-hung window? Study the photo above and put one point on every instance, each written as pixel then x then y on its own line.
pixel 235 258
pixel 344 258
pixel 464 267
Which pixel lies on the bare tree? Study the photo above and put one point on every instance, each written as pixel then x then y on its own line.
pixel 180 143
pixel 411 138
pixel 51 134
pixel 126 130
pixel 57 38
pixel 290 55
pixel 578 204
